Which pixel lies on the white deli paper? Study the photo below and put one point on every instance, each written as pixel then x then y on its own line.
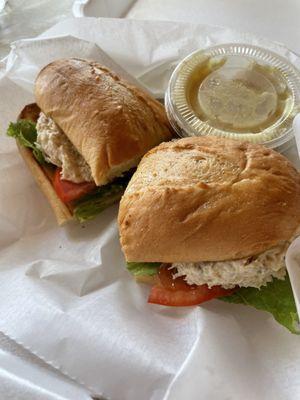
pixel 65 293
pixel 25 381
pixel 293 254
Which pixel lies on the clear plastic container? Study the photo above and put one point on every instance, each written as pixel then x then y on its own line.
pixel 238 91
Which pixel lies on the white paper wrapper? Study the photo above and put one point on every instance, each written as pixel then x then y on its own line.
pixel 293 266
pixel 65 293
pixel 24 381
pixel 297 132
pixel 293 253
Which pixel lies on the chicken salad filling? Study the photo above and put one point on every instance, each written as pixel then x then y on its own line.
pixel 254 271
pixel 59 150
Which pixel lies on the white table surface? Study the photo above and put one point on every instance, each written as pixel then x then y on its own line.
pixel 275 19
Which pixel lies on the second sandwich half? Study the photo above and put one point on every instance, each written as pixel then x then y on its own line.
pixel 85 135
pixel 208 217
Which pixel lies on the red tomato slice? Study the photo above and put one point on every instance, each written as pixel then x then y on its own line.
pixel 166 279
pixel 176 292
pixel 69 191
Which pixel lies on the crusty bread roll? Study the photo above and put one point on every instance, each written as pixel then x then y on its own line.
pixel 42 174
pixel 208 199
pixel 110 122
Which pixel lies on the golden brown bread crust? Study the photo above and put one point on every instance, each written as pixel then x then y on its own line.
pixel 110 122
pixel 30 112
pixel 208 199
pixel 40 173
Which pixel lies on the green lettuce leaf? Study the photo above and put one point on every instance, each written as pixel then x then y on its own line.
pixel 93 204
pixel 25 132
pixel 276 298
pixel 138 269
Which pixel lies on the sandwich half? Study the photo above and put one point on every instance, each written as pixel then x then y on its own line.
pixel 85 135
pixel 210 217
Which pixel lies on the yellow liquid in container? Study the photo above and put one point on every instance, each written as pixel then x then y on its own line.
pixel 252 96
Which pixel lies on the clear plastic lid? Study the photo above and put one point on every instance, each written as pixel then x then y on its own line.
pixel 235 90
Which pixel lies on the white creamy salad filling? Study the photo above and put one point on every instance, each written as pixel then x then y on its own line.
pixel 59 151
pixel 252 271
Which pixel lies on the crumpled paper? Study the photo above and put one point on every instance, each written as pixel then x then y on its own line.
pixel 293 254
pixel 65 293
pixel 27 381
pixel 293 266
